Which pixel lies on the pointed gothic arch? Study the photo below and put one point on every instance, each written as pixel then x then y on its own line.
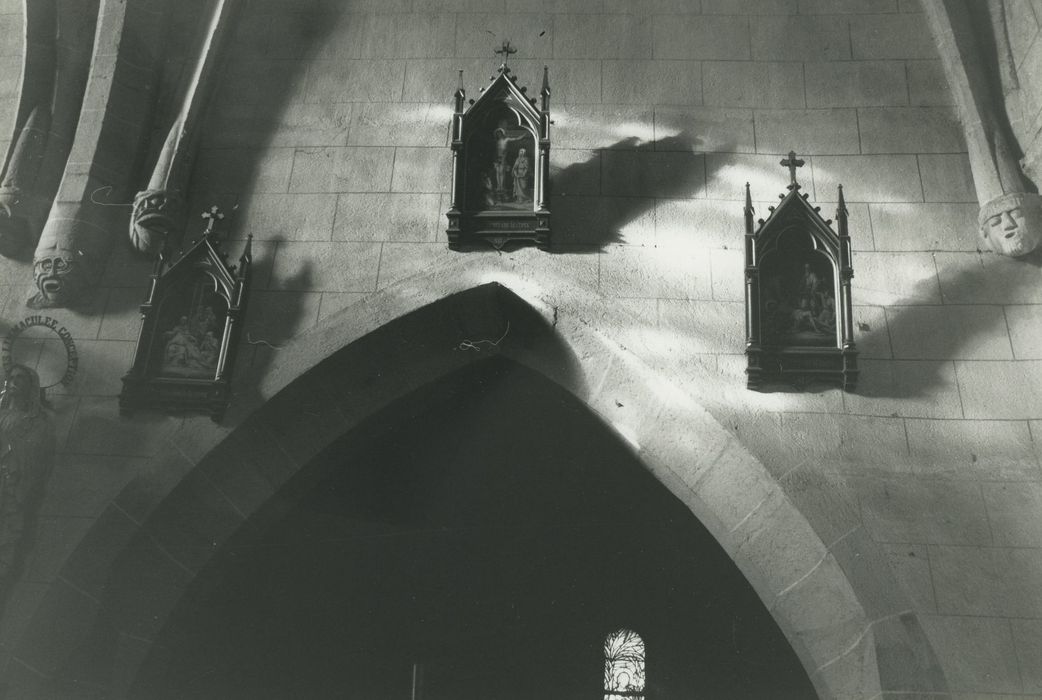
pixel 850 630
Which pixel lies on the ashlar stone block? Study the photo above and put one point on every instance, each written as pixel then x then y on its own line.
pixel 977 653
pixel 652 174
pixel 868 178
pixel 856 84
pixel 357 80
pixel 728 267
pixel 1011 390
pixel 827 617
pixel 704 130
pixel 1027 638
pixel 752 84
pixel 349 169
pixel 239 170
pixel 651 82
pixel 405 124
pixel 910 130
pixel 839 441
pixel 891 36
pixel 915 226
pixel 604 36
pixel 908 510
pixel 927 85
pixel 630 271
pixel 800 38
pixel 1025 330
pixel 814 131
pixel 603 126
pixel 748 7
pixel 987 581
pixel 291 217
pixel 971 332
pixel 828 7
pixel 1013 510
pixel 989 449
pixel 433 80
pixel 701 37
pixel 336 267
pixel 907 388
pixel 972 278
pixel 702 327
pixel 946 177
pixel 474 27
pixel 394 217
pixel 701 223
pixel 895 279
pixel 911 566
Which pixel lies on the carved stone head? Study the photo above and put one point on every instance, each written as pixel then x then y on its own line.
pixel 1012 224
pixel 156 214
pixel 61 277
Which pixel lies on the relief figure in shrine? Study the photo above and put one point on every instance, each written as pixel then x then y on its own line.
pixel 500 164
pixel 191 344
pixel 800 301
pixel 505 179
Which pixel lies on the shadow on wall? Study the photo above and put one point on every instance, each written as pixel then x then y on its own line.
pixel 594 202
pixel 266 58
pixel 978 284
pixel 266 332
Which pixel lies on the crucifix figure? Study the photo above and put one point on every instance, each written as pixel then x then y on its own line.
pixel 214 215
pixel 506 49
pixel 792 163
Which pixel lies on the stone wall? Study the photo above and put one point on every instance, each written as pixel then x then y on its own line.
pixel 329 139
pixel 1022 94
pixel 11 60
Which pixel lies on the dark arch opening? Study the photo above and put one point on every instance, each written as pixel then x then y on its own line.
pixel 489 528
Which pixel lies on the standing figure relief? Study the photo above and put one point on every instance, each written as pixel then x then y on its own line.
pixel 26 460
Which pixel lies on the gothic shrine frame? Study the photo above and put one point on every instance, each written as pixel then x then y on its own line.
pixel 190 328
pixel 799 319
pixel 499 195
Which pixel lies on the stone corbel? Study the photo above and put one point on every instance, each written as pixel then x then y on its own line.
pixel 54 73
pixel 78 235
pixel 158 213
pixel 1010 219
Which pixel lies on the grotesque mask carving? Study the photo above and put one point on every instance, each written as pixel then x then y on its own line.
pixel 1012 223
pixel 59 278
pixel 155 215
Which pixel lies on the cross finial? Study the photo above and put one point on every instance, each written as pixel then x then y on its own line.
pixel 213 215
pixel 506 49
pixel 792 163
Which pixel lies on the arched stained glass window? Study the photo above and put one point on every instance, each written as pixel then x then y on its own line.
pixel 623 666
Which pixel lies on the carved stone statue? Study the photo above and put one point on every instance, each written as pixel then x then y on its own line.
pixel 26 458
